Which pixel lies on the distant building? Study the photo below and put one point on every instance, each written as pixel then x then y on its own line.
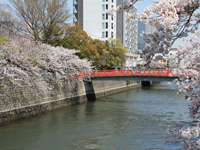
pixel 92 16
pixel 163 62
pixel 146 28
pixel 130 40
pixel 141 43
pixel 166 59
pixel 173 52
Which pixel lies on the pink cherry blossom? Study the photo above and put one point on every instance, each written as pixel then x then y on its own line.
pixel 23 61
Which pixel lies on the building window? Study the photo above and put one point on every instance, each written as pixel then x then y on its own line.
pixel 103 7
pixel 103 34
pixel 106 6
pixel 112 17
pixel 103 25
pixel 111 25
pixel 103 16
pixel 106 16
pixel 103 0
pixel 112 1
pixel 106 0
pixel 112 34
pixel 106 25
pixel 106 33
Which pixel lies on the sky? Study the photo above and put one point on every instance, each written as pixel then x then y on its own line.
pixel 140 5
pixel 4 1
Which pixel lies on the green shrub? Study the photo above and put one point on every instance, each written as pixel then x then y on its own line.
pixel 3 40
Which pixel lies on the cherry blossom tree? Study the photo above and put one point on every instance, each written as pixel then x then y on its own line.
pixel 175 19
pixel 189 83
pixel 172 19
pixel 36 64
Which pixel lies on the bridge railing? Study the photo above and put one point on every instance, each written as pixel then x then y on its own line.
pixel 131 72
pixel 124 72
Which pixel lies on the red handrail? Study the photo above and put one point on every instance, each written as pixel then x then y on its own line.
pixel 124 72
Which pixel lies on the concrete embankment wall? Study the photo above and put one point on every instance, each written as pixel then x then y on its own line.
pixel 18 102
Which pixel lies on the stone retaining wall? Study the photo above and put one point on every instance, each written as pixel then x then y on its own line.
pixel 18 102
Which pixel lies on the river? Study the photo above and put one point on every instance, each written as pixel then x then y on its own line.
pixel 137 119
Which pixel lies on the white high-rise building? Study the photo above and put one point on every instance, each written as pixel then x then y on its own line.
pixel 92 16
pixel 130 40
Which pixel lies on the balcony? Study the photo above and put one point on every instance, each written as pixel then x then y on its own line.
pixel 75 16
pixel 76 6
pixel 75 1
pixel 74 11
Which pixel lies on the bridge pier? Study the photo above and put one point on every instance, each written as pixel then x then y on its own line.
pixel 89 91
pixel 146 83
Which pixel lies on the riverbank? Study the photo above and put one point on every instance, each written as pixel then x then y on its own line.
pixel 17 102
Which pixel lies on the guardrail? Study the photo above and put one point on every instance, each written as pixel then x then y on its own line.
pixel 124 72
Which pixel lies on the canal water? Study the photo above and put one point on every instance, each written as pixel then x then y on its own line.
pixel 133 120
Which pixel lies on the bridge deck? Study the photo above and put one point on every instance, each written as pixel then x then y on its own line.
pixel 135 77
pixel 128 74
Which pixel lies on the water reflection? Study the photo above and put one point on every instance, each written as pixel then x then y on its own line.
pixel 135 119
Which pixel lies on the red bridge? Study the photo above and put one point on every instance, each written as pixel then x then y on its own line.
pixel 128 74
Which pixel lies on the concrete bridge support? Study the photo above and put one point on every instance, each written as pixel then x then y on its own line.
pixel 89 90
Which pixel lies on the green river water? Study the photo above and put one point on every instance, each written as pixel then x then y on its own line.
pixel 137 119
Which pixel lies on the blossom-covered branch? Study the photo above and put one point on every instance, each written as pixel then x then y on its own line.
pixel 189 83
